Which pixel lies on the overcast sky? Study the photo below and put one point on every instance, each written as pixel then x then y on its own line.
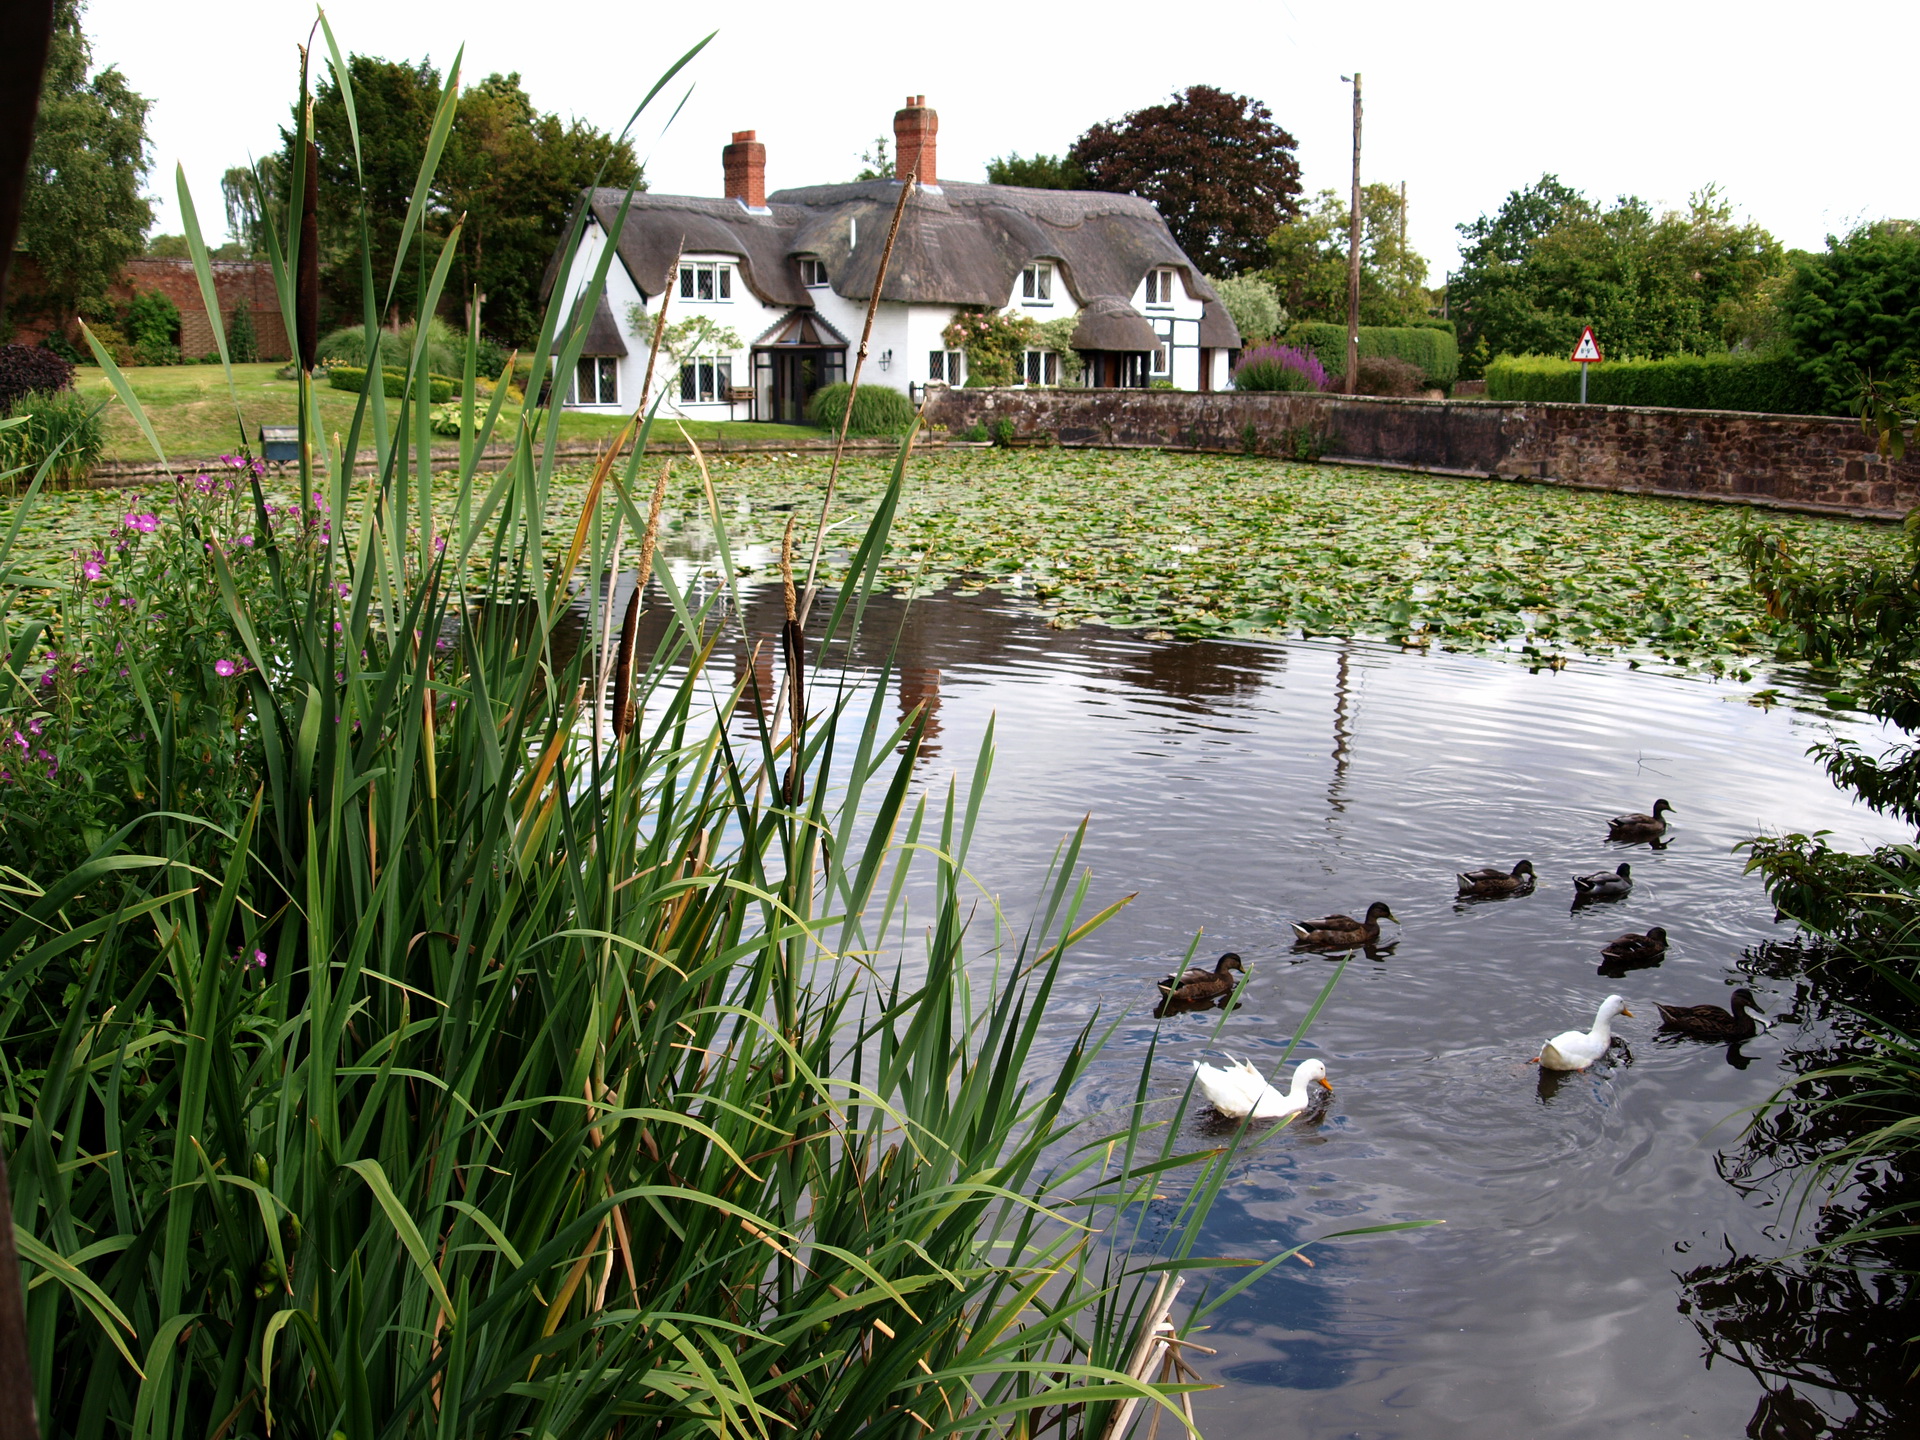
pixel 1802 114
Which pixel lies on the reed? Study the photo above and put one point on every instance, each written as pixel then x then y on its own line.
pixel 484 1080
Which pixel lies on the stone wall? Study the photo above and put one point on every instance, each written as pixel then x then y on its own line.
pixel 1794 462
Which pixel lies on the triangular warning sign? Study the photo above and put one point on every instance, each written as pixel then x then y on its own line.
pixel 1588 350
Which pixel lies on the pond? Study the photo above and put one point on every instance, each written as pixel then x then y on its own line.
pixel 1237 786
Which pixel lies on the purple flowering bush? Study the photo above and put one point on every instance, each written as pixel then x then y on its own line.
pixel 1279 367
pixel 138 698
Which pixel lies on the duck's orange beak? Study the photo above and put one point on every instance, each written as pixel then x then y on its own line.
pixel 1628 1013
pixel 1326 1082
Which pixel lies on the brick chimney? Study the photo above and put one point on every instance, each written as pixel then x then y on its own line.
pixel 914 132
pixel 745 162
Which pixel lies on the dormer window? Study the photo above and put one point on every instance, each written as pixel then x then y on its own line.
pixel 706 281
pixel 1036 284
pixel 1159 287
pixel 813 273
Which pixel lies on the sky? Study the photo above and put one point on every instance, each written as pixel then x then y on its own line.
pixel 1798 113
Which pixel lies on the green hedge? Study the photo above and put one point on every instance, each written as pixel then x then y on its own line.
pixel 1681 382
pixel 1430 347
pixel 441 388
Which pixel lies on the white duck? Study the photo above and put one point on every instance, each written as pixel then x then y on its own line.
pixel 1577 1049
pixel 1240 1091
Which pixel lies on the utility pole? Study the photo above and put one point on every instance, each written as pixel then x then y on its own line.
pixel 1353 254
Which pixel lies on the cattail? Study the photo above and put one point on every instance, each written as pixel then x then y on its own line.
pixel 306 300
pixel 793 645
pixel 623 670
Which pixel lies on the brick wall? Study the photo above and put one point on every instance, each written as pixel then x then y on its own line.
pixel 1793 462
pixel 237 282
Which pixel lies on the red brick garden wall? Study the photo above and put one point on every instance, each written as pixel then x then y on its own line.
pixel 1789 461
pixel 239 284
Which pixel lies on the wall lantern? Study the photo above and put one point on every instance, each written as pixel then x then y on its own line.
pixel 886 359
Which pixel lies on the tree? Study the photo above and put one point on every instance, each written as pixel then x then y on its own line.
pixel 512 172
pixel 248 191
pixel 1254 305
pixel 1037 172
pixel 1854 311
pixel 1309 261
pixel 1551 261
pixel 875 164
pixel 515 174
pixel 83 216
pixel 1216 166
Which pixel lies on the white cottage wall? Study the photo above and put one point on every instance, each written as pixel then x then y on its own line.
pixel 1178 320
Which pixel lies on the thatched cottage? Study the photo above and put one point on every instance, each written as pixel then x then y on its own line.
pixel 784 281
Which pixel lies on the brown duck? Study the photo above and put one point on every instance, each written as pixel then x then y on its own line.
pixel 1640 827
pixel 1491 881
pixel 1635 949
pixel 1710 1022
pixel 1201 984
pixel 1342 932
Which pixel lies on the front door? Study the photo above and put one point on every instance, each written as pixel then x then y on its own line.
pixel 796 375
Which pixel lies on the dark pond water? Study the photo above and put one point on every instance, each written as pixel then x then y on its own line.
pixel 1237 786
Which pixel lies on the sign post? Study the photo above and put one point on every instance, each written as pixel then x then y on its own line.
pixel 1585 353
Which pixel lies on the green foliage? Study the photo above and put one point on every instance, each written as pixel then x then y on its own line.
pixel 877 409
pixel 82 215
pixel 1433 350
pixel 1772 386
pixel 243 341
pixel 1550 262
pixel 1384 375
pixel 1254 306
pixel 1308 262
pixel 354 378
pixel 1003 432
pixel 1056 335
pixel 1216 166
pixel 58 423
pixel 348 346
pixel 994 343
pixel 1855 309
pixel 167 247
pixel 1037 172
pixel 976 433
pixel 153 324
pixel 685 339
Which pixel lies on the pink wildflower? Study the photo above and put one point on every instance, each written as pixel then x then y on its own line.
pixel 224 668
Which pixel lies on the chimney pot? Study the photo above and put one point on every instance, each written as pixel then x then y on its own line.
pixel 745 165
pixel 915 131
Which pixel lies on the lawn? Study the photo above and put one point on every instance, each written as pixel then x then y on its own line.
pixel 192 413
pixel 1228 545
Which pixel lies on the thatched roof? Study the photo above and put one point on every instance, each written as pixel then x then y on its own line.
pixel 1112 324
pixel 603 335
pixel 1217 330
pixel 958 244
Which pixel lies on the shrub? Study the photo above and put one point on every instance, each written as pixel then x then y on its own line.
pixel 1279 367
pixel 976 432
pixel 877 410
pixel 1774 385
pixel 113 340
pixel 243 343
pixel 26 369
pixel 440 388
pixel 1433 349
pixel 60 421
pixel 153 325
pixel 348 346
pixel 1384 375
pixel 993 342
pixel 1003 433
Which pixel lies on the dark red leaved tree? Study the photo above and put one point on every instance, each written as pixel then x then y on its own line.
pixel 1215 165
